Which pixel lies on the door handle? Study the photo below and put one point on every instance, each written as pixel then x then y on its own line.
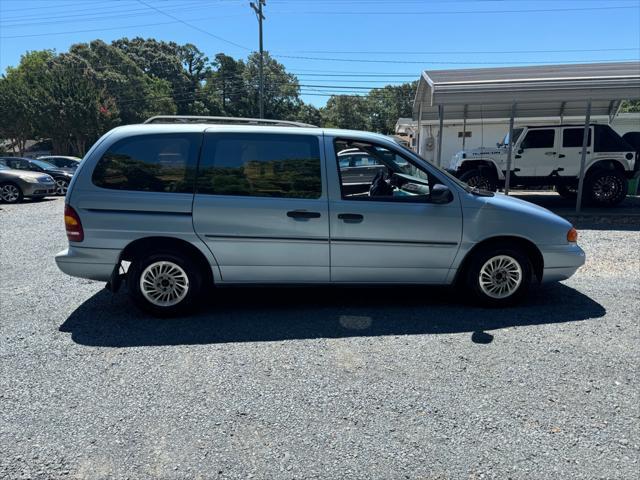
pixel 518 156
pixel 351 217
pixel 562 155
pixel 302 214
pixel 549 153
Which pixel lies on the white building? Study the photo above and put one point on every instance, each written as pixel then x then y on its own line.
pixel 487 132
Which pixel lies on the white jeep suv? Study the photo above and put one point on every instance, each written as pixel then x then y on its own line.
pixel 550 156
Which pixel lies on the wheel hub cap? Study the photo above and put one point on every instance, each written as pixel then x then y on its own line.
pixel 500 276
pixel 164 284
pixel 9 193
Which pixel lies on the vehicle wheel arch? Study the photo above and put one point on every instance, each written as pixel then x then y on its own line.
pixel 145 245
pixel 606 164
pixel 481 164
pixel 528 247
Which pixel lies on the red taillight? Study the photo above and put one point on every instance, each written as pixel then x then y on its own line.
pixel 73 225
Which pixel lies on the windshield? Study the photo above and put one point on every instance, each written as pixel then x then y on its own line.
pixel 516 134
pixel 3 167
pixel 44 165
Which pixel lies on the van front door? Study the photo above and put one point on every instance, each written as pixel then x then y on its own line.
pixel 389 232
pixel 261 207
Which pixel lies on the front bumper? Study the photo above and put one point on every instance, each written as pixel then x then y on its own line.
pixel 38 189
pixel 561 261
pixel 91 263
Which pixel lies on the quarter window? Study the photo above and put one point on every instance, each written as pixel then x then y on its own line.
pixel 261 165
pixel 572 137
pixel 150 163
pixel 538 139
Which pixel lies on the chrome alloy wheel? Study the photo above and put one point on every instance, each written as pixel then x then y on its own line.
pixel 9 193
pixel 164 284
pixel 61 187
pixel 500 276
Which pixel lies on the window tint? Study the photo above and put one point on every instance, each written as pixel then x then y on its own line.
pixel 261 165
pixel 538 139
pixel 607 140
pixel 572 137
pixel 150 163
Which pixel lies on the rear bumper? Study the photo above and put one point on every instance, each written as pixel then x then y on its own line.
pixel 91 263
pixel 561 261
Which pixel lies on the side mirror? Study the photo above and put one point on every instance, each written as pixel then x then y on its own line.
pixel 440 194
pixel 520 150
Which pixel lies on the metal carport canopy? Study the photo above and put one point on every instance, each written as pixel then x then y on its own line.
pixel 538 91
pixel 535 91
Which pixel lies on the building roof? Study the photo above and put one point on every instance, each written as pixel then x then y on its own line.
pixel 538 91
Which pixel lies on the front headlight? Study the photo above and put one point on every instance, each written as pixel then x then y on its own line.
pixel 30 179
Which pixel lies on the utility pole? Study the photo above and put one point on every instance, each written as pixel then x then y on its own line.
pixel 257 7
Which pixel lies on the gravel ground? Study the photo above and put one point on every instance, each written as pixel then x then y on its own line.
pixel 316 383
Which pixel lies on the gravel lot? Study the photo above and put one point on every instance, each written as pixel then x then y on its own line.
pixel 316 383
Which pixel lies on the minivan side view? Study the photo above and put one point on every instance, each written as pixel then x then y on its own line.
pixel 179 205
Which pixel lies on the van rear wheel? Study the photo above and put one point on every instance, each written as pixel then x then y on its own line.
pixel 499 275
pixel 164 284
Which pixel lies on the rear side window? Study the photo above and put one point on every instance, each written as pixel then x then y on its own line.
pixel 572 137
pixel 261 165
pixel 538 139
pixel 150 163
pixel 607 140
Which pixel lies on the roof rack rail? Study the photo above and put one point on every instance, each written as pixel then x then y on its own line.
pixel 224 120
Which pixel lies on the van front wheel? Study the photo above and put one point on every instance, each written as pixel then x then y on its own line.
pixel 499 276
pixel 164 284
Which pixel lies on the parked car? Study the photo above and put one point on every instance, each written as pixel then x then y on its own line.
pixel 187 206
pixel 68 164
pixel 546 156
pixel 16 185
pixel 61 177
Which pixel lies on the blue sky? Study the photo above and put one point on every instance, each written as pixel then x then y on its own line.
pixel 343 46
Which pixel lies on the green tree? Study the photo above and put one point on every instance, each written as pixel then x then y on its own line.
pixel 385 105
pixel 225 92
pixel 183 67
pixel 309 114
pixel 21 92
pixel 137 95
pixel 281 89
pixel 630 106
pixel 346 111
pixel 76 108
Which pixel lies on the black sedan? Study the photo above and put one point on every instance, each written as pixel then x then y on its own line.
pixel 61 177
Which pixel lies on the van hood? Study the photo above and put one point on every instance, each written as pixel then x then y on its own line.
pixel 521 209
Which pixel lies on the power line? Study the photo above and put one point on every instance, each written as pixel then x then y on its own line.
pixel 190 25
pixel 458 12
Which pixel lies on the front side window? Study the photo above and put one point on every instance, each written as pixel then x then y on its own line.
pixel 538 139
pixel 572 137
pixel 261 165
pixel 392 177
pixel 150 163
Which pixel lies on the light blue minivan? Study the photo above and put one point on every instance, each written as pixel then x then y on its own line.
pixel 180 205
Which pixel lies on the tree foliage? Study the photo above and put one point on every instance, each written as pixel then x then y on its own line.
pixel 72 98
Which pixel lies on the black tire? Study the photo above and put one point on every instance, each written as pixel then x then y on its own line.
pixel 184 263
pixel 481 178
pixel 61 187
pixel 10 193
pixel 606 187
pixel 481 258
pixel 570 192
